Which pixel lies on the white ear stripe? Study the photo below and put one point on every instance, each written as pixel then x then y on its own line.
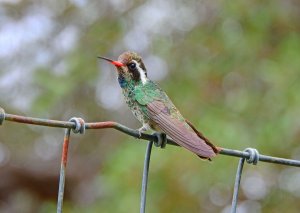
pixel 141 71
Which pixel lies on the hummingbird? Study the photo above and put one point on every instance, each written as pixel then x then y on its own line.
pixel 154 109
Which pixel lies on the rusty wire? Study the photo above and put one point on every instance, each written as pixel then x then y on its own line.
pixel 62 175
pixel 79 126
pixel 136 134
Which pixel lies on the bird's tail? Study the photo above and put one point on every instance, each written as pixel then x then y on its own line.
pixel 206 140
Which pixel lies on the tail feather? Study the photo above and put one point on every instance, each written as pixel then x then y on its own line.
pixel 200 135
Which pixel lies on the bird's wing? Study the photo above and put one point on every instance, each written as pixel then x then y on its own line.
pixel 179 130
pixel 161 110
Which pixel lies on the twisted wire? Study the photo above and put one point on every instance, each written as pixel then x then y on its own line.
pixel 78 125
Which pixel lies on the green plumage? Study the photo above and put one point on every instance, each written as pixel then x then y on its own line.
pixel 146 93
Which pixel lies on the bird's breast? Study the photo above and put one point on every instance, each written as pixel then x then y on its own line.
pixel 134 106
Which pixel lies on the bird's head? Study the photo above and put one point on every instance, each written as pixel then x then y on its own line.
pixel 130 67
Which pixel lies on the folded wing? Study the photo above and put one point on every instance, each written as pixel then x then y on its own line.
pixel 181 132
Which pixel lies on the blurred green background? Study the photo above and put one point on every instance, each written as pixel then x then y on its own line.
pixel 231 67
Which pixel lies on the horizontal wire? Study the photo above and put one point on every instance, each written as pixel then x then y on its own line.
pixel 136 134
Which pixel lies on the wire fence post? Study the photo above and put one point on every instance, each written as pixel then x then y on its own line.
pixel 237 185
pixel 79 128
pixel 145 177
pixel 252 159
pixel 62 174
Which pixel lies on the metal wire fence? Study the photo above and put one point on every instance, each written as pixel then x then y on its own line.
pixel 78 125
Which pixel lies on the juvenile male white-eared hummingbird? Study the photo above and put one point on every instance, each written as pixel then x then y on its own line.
pixel 153 108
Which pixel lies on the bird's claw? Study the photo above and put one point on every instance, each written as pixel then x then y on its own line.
pixel 141 130
pixel 161 139
pixel 140 133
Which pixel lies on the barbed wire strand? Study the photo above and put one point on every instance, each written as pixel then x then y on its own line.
pixel 78 126
pixel 145 177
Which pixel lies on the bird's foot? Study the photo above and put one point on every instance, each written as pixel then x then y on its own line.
pixel 161 139
pixel 142 130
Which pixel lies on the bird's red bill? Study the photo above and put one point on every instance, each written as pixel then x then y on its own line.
pixel 116 63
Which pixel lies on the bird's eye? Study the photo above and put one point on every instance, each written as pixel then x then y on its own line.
pixel 132 66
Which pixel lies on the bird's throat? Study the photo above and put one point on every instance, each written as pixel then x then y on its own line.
pixel 122 81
